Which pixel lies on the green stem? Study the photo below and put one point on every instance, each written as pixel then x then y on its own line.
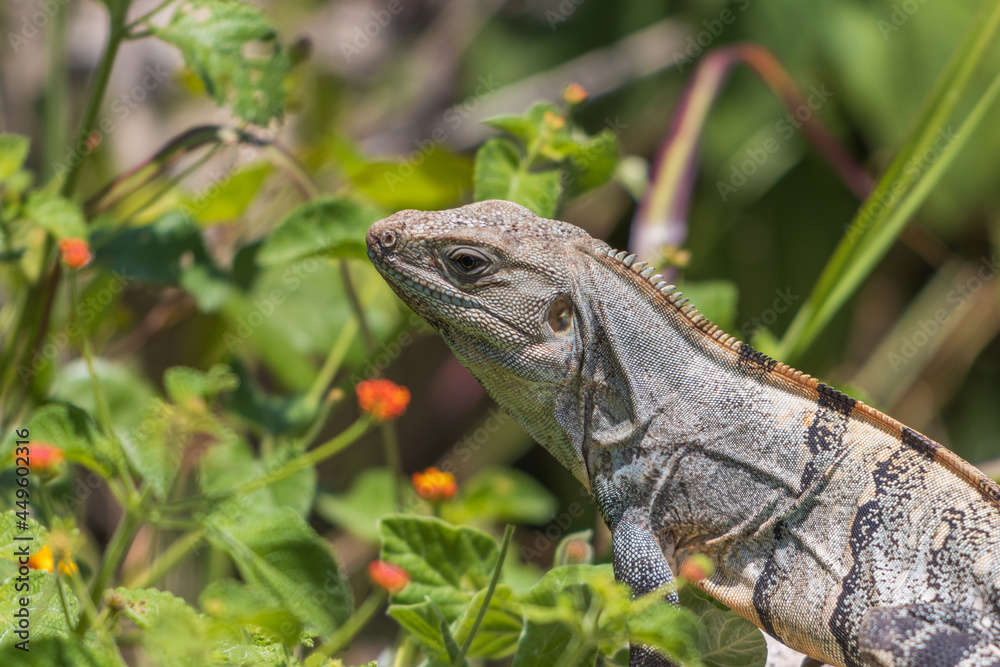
pixel 54 108
pixel 116 551
pixel 460 658
pixel 404 656
pixel 115 35
pixel 103 408
pixel 145 17
pixel 390 449
pixel 348 630
pixel 89 616
pixel 173 555
pixel 310 458
pixel 331 364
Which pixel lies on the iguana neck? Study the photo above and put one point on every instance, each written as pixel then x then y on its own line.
pixel 641 358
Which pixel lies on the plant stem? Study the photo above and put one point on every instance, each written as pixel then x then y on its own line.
pixel 349 629
pixel 167 560
pixel 404 656
pixel 331 364
pixel 115 35
pixel 507 534
pixel 310 458
pixel 117 549
pixel 103 408
pixel 54 108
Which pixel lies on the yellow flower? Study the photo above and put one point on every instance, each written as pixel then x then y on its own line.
pixel 44 560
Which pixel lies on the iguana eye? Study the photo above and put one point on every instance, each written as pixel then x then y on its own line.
pixel 560 315
pixel 468 262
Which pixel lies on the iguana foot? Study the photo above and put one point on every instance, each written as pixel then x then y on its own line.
pixel 929 636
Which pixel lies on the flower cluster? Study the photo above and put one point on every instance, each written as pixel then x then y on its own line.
pixel 435 485
pixel 75 252
pixel 384 400
pixel 44 560
pixel 42 457
pixel 386 575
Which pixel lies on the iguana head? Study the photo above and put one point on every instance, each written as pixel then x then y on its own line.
pixel 500 285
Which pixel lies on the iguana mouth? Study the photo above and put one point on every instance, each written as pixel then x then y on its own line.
pixel 408 283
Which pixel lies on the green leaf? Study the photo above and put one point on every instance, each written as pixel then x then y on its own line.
pixel 184 384
pixel 331 226
pixel 157 253
pixel 280 555
pixel 676 632
pixel 426 623
pixel 447 564
pixel 228 465
pixel 52 640
pixel 235 50
pixel 226 201
pixel 12 538
pixel 500 629
pixel 156 446
pixel 548 644
pixel 592 163
pixel 526 127
pixel 358 511
pixel 728 638
pixel 430 178
pixel 128 391
pixel 173 631
pixel 57 215
pixel 236 606
pixel 505 495
pixel 13 153
pixel 499 174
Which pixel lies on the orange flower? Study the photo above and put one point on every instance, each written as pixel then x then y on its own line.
pixel 554 121
pixel 574 93
pixel 42 457
pixel 384 400
pixel 43 560
pixel 386 575
pixel 435 485
pixel 75 252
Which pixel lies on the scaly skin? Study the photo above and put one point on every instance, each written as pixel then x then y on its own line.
pixel 845 534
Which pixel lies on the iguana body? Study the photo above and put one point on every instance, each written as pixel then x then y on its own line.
pixel 833 527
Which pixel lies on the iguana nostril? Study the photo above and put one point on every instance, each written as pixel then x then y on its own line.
pixel 388 239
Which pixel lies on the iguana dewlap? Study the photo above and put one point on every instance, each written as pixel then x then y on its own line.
pixel 833 527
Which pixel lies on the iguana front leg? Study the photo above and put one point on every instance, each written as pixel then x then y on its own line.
pixel 928 635
pixel 639 562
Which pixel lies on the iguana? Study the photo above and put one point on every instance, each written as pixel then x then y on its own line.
pixel 845 534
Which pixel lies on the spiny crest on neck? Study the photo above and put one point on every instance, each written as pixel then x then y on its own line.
pixel 670 295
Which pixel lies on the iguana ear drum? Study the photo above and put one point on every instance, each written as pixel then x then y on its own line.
pixel 561 314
